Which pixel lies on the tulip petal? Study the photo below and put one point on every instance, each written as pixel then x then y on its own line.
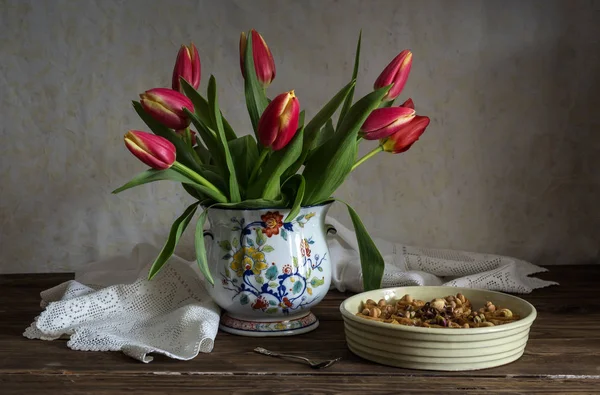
pixel 408 104
pixel 279 121
pixel 396 73
pixel 383 122
pixel 155 151
pixel 403 139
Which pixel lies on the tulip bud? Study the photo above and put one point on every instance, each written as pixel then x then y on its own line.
pixel 383 122
pixel 395 73
pixel 406 136
pixel 166 106
pixel 155 151
pixel 187 66
pixel 279 121
pixel 263 59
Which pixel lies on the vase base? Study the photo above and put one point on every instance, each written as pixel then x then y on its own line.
pixel 291 327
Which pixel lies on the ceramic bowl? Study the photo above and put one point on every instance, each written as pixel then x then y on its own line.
pixel 446 349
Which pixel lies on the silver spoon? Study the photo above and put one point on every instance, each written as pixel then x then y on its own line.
pixel 314 365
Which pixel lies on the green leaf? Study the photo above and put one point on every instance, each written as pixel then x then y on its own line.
pixel 227 272
pixel 261 239
pixel 297 288
pixel 272 310
pixel 268 248
pixel 311 131
pixel 213 101
pixel 235 242
pixel 250 242
pixel 226 257
pixel 152 175
pixel 283 234
pixel 350 96
pixel 371 261
pixel 267 185
pixel 176 231
pixel 333 161
pixel 201 109
pixel 254 203
pixel 244 299
pixel 295 259
pixel 203 153
pixel 326 133
pixel 245 154
pixel 271 273
pixel 209 137
pixel 201 258
pixel 256 100
pixel 259 279
pixel 299 180
pixel 185 153
pixel 225 245
pixel 273 285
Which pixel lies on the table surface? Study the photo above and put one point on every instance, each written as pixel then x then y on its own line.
pixel 562 355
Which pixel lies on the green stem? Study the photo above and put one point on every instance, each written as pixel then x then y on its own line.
pixel 186 171
pixel 261 159
pixel 367 156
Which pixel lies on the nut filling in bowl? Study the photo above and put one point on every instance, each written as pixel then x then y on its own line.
pixel 449 312
pixel 470 329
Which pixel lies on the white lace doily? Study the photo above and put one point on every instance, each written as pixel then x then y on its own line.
pixel 173 314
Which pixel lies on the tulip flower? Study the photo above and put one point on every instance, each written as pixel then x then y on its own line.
pixel 263 59
pixel 187 66
pixel 166 106
pixel 155 151
pixel 395 73
pixel 403 139
pixel 279 121
pixel 383 122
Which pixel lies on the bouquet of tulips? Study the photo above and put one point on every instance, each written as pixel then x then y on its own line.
pixel 293 161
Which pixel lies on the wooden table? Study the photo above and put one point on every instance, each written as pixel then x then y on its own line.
pixel 562 356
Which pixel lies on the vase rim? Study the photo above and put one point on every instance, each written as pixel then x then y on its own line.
pixel 325 203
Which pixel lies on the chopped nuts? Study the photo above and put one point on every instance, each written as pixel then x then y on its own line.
pixel 449 312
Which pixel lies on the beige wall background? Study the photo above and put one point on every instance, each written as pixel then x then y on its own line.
pixel 510 164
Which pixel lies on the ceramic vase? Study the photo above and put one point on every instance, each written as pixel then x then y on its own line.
pixel 269 270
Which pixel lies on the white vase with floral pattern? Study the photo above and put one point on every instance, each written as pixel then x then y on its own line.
pixel 269 270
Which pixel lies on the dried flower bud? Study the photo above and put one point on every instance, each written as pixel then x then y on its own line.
pixel 365 311
pixel 381 303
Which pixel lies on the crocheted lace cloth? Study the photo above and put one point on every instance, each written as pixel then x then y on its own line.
pixel 110 306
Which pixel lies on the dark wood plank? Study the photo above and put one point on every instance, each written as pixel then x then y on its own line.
pixel 563 352
pixel 197 382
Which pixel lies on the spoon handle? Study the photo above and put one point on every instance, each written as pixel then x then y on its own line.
pixel 264 351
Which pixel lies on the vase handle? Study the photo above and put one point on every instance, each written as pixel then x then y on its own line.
pixel 330 228
pixel 209 233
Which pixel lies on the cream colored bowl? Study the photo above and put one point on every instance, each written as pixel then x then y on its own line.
pixel 438 348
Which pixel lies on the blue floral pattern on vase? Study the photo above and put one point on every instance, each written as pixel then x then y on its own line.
pixel 265 286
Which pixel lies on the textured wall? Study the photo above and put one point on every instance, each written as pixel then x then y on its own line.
pixel 509 164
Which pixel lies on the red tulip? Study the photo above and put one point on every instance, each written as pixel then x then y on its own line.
pixel 155 151
pixel 187 66
pixel 383 122
pixel 263 59
pixel 166 106
pixel 405 137
pixel 279 121
pixel 395 73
